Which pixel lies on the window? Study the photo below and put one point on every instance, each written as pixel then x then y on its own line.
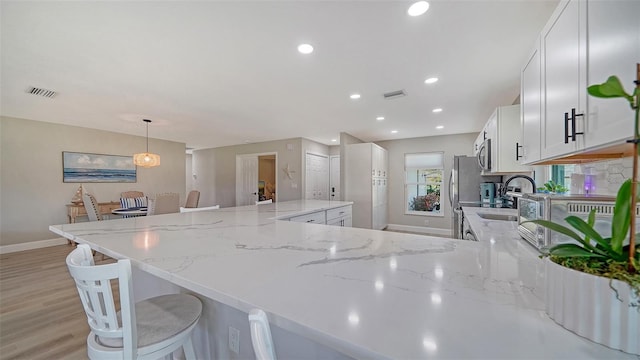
pixel 423 183
pixel 561 174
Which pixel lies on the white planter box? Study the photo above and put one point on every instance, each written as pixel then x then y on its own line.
pixel 602 310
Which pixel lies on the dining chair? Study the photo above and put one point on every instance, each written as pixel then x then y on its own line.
pixel 129 199
pixel 264 202
pixel 148 329
pixel 131 194
pixel 91 207
pixel 192 199
pixel 185 210
pixel 261 335
pixel 166 203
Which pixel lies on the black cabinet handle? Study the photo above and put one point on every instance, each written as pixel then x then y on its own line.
pixel 573 124
pixel 518 156
pixel 571 119
pixel 566 128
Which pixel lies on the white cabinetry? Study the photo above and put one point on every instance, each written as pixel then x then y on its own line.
pixel 503 128
pixel 613 49
pixel 366 184
pixel 479 140
pixel 508 145
pixel 340 216
pixel 531 107
pixel 583 43
pixel 313 218
pixel 564 82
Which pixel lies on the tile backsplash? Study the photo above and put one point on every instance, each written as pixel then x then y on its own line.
pixel 604 177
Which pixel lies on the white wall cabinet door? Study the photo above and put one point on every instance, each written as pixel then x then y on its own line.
pixel 334 177
pixel 614 49
pixel 246 180
pixel 563 53
pixel 316 177
pixel 531 107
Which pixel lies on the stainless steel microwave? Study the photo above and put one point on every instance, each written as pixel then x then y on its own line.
pixel 556 208
pixel 484 155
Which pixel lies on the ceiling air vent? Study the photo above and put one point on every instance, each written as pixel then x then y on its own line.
pixel 394 94
pixel 41 92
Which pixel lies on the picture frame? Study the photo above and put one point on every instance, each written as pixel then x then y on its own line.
pixel 97 168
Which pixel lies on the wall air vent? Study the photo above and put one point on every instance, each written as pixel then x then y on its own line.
pixel 394 94
pixel 41 92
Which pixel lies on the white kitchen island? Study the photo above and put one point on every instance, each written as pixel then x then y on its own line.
pixel 336 292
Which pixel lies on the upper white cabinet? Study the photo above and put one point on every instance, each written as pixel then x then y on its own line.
pixel 531 107
pixel 584 42
pixel 613 49
pixel 503 128
pixel 564 83
pixel 479 140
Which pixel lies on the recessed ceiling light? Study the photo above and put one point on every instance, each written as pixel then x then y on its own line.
pixel 355 96
pixel 334 140
pixel 394 131
pixel 431 80
pixel 418 8
pixel 437 110
pixel 440 127
pixel 380 118
pixel 305 49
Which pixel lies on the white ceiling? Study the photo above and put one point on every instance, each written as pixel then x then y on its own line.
pixel 219 73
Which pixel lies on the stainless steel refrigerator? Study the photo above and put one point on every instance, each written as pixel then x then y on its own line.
pixel 464 188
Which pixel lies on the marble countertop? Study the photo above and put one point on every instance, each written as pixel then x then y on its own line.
pixel 493 230
pixel 366 293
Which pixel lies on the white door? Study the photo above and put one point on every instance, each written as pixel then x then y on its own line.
pixel 334 177
pixel 317 177
pixel 246 180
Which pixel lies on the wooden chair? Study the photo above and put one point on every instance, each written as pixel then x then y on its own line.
pixel 149 329
pixel 261 335
pixel 192 199
pixel 91 206
pixel 164 204
pixel 264 202
pixel 185 210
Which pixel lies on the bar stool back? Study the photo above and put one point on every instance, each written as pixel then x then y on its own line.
pixel 149 329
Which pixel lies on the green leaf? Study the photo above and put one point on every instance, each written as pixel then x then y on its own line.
pixel 621 216
pixel 590 232
pixel 572 250
pixel 563 230
pixel 611 88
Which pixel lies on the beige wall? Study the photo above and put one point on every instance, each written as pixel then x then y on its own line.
pixel 32 194
pixel 451 145
pixel 345 139
pixel 215 170
pixel 189 173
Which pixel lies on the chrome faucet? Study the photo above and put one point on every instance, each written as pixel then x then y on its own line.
pixel 506 183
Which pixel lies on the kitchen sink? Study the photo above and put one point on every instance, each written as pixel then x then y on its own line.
pixel 498 217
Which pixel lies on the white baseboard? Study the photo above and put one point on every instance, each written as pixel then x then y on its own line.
pixel 420 229
pixel 5 249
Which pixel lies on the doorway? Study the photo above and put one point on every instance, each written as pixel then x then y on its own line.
pixel 256 178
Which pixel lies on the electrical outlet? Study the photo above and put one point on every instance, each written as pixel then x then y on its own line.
pixel 234 339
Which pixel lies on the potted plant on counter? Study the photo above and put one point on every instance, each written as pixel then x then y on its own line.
pixel 593 285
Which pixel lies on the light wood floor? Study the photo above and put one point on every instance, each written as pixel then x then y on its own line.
pixel 41 316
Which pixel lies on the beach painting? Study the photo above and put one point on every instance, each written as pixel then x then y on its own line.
pixel 97 168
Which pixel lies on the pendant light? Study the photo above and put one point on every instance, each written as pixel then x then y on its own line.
pixel 146 159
